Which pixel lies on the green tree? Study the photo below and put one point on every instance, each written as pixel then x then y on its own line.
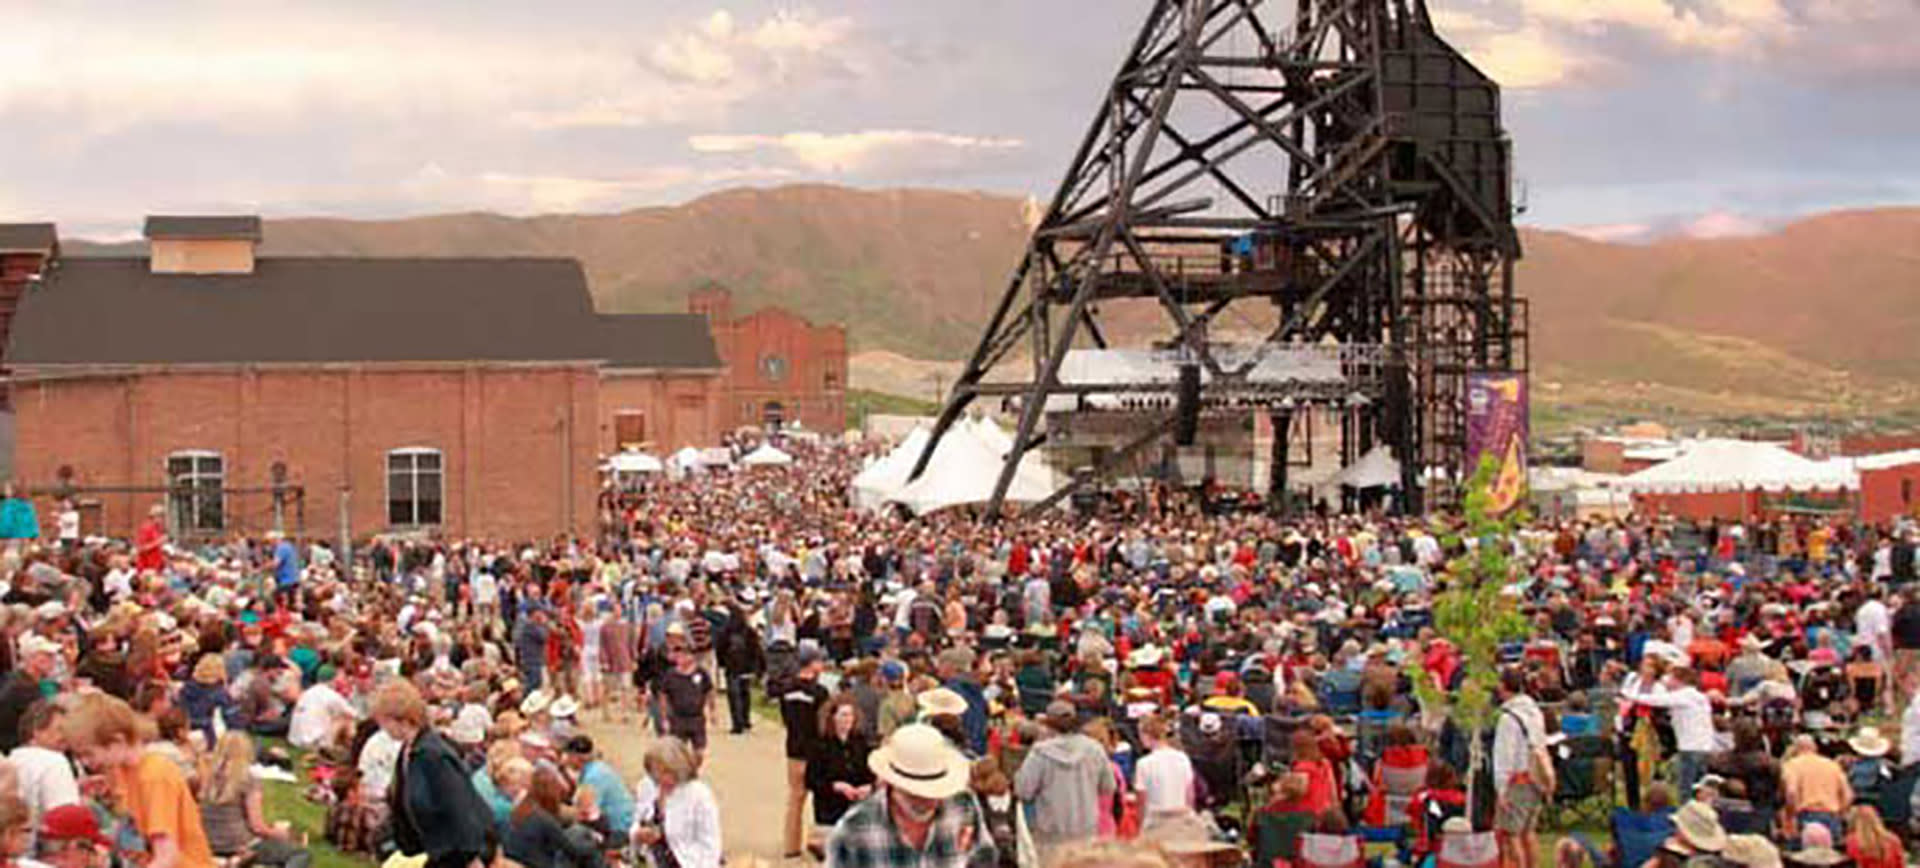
pixel 1471 612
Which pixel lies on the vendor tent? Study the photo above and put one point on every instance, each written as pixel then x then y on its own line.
pixel 633 462
pixel 1376 469
pixel 888 474
pixel 1735 465
pixel 965 469
pixel 766 456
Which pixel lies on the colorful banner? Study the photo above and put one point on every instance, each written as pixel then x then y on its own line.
pixel 1497 425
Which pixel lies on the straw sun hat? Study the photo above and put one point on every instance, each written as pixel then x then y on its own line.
pixel 918 760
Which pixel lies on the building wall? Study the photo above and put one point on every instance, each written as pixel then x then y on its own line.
pixel 201 256
pixel 518 444
pixel 679 409
pixel 775 356
pixel 1602 456
pixel 1890 493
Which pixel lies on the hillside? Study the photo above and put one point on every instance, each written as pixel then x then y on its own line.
pixel 1821 314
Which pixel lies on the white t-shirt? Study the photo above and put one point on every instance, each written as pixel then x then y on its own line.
pixel 320 709
pixel 119 583
pixel 69 523
pixel 379 758
pixel 46 780
pixel 1164 779
pixel 1871 625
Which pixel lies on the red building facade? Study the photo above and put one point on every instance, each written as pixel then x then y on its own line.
pixel 780 368
pixel 340 397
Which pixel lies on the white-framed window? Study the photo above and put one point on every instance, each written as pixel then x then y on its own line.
pixel 414 487
pixel 196 499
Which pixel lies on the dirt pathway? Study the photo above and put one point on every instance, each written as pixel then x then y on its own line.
pixel 747 773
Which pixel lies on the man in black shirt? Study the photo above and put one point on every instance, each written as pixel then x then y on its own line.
pixel 22 686
pixel 687 691
pixel 801 698
pixel 1906 646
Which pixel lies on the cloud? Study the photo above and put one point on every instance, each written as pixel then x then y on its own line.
pixel 279 66
pixel 1723 224
pixel 1614 233
pixel 522 194
pixel 868 151
pixel 1529 44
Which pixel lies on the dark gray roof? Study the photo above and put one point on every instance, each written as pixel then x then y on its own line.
pixel 658 340
pixel 28 236
pixel 203 227
pixel 317 310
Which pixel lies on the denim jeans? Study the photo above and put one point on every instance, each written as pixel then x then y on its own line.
pixel 1831 821
pixel 1689 766
pixel 740 701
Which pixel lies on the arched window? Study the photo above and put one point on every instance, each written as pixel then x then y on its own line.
pixel 196 496
pixel 414 487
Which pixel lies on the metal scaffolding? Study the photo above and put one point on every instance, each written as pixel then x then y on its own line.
pixel 1392 229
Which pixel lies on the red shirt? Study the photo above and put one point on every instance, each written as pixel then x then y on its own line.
pixel 147 542
pixel 1893 857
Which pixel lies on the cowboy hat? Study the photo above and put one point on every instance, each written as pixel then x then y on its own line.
pixel 565 706
pixel 1868 742
pixel 535 703
pixel 1698 825
pixel 918 761
pixel 1751 851
pixel 939 701
pixel 469 729
pixel 1146 656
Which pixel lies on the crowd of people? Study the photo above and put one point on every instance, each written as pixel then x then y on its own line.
pixel 956 692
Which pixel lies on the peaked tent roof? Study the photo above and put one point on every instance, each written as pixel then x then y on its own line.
pixel 766 456
pixel 1726 465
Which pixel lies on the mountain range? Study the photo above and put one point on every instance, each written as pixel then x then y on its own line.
pixel 1816 316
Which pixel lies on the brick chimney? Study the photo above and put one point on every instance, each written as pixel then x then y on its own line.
pixel 202 245
pixel 27 250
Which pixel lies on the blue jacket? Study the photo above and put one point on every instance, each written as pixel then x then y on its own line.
pixel 974 722
pixel 200 701
pixel 18 520
pixel 616 801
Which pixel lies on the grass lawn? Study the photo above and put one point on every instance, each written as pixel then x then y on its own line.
pixel 285 801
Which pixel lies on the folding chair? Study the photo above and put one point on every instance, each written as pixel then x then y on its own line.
pixel 1277 836
pixel 1331 851
pixel 1584 769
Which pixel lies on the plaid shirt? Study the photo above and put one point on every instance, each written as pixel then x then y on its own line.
pixel 866 838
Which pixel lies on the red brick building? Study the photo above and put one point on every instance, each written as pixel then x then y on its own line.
pixel 781 369
pixel 333 396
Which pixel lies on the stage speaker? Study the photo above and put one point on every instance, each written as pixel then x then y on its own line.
pixel 1187 406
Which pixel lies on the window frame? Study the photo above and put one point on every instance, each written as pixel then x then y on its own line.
pixel 194 488
pixel 414 473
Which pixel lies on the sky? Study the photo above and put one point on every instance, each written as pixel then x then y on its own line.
pixel 1631 118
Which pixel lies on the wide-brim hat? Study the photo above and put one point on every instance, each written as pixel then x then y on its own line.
pixel 1144 656
pixel 1698 824
pixel 1817 856
pixel 918 761
pixel 1751 851
pixel 565 706
pixel 939 701
pixel 535 703
pixel 1869 742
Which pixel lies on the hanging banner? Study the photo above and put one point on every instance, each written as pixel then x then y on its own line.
pixel 1497 426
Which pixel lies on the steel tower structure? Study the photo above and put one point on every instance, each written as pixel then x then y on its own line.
pixel 1335 165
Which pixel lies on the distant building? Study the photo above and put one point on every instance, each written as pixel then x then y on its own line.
pixel 780 368
pixel 472 397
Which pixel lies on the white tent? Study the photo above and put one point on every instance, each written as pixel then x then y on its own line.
pixel 889 473
pixel 766 456
pixel 1732 465
pixel 965 469
pixel 1375 469
pixel 633 462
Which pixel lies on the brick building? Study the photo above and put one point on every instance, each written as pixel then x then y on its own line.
pixel 781 369
pixel 340 395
